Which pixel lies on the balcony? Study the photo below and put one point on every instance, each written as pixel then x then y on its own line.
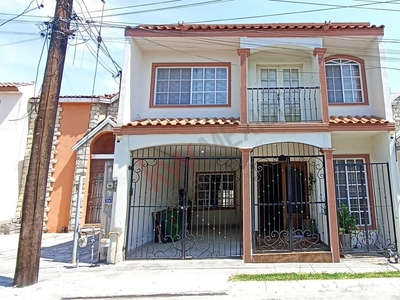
pixel 284 104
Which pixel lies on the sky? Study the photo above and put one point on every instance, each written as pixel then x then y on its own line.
pixel 24 46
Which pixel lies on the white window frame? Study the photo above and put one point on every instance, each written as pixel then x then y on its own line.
pixel 193 92
pixel 351 178
pixel 280 115
pixel 225 197
pixel 345 62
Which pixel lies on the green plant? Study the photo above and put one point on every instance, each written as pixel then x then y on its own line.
pixel 347 221
pixel 311 182
pixel 309 227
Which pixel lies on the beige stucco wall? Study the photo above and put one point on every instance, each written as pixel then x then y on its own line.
pixel 141 73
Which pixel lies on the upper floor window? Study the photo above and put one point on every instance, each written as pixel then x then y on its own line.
pixel 344 80
pixel 191 85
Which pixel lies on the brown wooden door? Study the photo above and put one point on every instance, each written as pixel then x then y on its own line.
pixel 282 196
pixel 96 191
pixel 294 193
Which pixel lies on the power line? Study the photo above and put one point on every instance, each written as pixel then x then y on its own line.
pixel 138 5
pixel 201 3
pixel 25 11
pixel 331 7
pixel 100 41
pixel 340 6
pixel 98 47
pixel 234 47
pixel 20 42
pixel 254 43
pixel 87 27
pixel 291 13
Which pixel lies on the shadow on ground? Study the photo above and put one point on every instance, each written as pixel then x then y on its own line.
pixel 6 281
pixel 63 252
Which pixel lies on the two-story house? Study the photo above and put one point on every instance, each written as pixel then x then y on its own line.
pixel 253 141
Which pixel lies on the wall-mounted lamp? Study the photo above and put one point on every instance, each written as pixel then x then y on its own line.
pixel 118 138
pixel 392 134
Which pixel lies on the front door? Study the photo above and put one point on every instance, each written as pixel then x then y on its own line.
pixel 283 202
pixel 96 190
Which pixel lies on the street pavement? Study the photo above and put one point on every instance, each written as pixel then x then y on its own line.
pixel 182 279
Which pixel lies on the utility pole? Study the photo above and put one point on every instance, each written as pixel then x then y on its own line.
pixel 30 239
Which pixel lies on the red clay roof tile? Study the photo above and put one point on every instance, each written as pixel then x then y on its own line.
pixel 357 120
pixel 184 121
pixel 268 26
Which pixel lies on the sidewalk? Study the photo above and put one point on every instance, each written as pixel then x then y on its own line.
pixel 199 279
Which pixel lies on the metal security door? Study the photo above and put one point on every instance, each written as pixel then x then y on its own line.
pixel 186 205
pixel 96 191
pixel 289 199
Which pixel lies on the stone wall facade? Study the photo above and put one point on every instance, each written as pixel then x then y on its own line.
pixel 27 156
pixel 97 114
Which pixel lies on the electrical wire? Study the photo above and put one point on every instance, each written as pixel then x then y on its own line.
pixel 95 37
pixel 234 46
pixel 291 13
pixel 98 49
pixel 332 7
pixel 33 107
pixel 341 6
pixel 201 3
pixel 138 5
pixel 20 42
pixel 24 12
pixel 111 25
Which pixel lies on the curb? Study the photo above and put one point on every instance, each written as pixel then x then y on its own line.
pixel 160 295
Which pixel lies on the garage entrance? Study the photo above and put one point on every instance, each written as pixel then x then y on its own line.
pixel 185 202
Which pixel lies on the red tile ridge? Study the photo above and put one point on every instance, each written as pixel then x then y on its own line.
pixel 261 26
pixel 257 27
pixel 183 121
pixel 358 120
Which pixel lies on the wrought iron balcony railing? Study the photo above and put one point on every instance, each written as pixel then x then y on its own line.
pixel 284 104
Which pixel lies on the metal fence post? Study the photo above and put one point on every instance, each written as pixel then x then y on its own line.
pixel 77 217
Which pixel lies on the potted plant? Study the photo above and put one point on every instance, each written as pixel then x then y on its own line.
pixel 347 224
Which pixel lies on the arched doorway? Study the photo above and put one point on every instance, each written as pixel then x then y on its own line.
pixel 102 153
pixel 289 198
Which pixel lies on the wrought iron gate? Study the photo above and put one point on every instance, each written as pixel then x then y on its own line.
pixel 289 199
pixel 365 206
pixel 185 202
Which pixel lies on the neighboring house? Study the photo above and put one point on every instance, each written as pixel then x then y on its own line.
pixel 83 132
pixel 249 141
pixel 396 116
pixel 14 113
